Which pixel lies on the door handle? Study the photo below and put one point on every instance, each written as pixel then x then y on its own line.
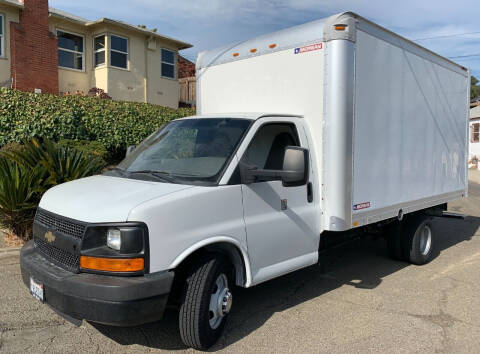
pixel 309 192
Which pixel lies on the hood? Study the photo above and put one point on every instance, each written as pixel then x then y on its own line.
pixel 100 199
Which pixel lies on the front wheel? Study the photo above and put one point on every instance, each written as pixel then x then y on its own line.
pixel 206 302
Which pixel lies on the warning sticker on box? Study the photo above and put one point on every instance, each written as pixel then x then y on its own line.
pixel 361 206
pixel 308 48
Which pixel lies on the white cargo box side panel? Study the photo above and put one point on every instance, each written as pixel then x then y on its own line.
pixel 410 130
pixel 280 82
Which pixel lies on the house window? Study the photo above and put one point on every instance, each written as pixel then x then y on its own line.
pixel 2 44
pixel 475 133
pixel 119 52
pixel 168 63
pixel 70 50
pixel 99 51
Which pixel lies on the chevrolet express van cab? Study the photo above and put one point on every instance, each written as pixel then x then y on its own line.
pixel 347 128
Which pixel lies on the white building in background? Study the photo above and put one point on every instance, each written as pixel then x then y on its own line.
pixel 474 133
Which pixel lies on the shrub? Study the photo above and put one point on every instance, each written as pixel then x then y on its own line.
pixel 26 173
pixel 93 149
pixel 114 124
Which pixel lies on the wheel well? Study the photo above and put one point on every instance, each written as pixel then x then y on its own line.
pixel 228 249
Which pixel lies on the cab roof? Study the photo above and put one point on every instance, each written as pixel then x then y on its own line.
pixel 242 115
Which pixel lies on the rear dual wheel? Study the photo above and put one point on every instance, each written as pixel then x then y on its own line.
pixel 412 239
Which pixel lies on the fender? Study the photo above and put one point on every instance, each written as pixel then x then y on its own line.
pixel 209 241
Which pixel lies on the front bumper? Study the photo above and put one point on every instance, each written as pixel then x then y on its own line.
pixel 117 301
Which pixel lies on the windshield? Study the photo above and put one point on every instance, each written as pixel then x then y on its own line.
pixel 187 150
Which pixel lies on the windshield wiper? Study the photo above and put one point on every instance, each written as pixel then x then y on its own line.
pixel 161 175
pixel 116 169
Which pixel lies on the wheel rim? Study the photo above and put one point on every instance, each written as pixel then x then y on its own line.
pixel 425 240
pixel 220 301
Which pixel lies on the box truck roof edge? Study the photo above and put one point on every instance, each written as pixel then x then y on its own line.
pixel 310 32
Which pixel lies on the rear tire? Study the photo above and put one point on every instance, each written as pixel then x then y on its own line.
pixel 418 241
pixel 206 302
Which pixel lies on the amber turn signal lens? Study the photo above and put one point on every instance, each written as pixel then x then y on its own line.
pixel 271 46
pixel 235 54
pixel 253 50
pixel 340 27
pixel 112 264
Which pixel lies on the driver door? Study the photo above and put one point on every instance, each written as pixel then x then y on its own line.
pixel 280 221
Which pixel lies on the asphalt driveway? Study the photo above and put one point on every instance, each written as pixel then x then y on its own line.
pixel 358 300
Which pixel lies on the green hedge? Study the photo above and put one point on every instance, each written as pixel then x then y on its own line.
pixel 114 124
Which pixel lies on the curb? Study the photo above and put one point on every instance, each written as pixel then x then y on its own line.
pixel 9 250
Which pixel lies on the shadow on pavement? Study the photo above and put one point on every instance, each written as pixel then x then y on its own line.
pixel 362 264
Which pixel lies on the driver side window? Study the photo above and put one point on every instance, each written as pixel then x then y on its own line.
pixel 267 149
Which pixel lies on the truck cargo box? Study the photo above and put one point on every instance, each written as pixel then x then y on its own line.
pixel 388 119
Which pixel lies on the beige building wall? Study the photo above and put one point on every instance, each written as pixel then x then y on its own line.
pixel 142 81
pixel 128 84
pixel 10 15
pixel 160 90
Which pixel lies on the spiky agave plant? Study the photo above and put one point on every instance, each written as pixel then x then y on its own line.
pixel 20 192
pixel 56 164
pixel 25 174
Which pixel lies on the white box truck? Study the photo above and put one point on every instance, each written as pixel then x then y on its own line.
pixel 344 128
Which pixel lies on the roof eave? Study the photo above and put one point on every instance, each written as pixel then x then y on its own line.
pixel 181 45
pixel 66 18
pixel 13 4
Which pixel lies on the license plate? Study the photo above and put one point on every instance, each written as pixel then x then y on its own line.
pixel 36 289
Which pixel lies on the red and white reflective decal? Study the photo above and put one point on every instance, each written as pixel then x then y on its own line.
pixel 361 206
pixel 308 48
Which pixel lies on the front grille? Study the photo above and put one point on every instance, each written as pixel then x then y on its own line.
pixel 63 228
pixel 60 224
pixel 63 258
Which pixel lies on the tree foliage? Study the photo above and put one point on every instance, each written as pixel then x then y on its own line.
pixel 474 88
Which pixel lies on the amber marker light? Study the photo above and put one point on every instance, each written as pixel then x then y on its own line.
pixel 112 264
pixel 271 46
pixel 355 223
pixel 235 54
pixel 340 27
pixel 253 50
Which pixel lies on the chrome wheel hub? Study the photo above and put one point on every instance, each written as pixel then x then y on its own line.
pixel 220 301
pixel 425 240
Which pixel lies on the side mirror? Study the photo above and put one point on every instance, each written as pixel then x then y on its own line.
pixel 295 166
pixel 130 150
pixel 294 172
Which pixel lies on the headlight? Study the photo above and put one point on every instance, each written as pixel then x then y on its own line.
pixel 114 239
pixel 120 248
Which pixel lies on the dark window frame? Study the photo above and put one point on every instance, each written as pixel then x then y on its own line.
pixel 111 50
pixel 97 51
pixel 2 36
pixel 164 62
pixel 475 138
pixel 66 50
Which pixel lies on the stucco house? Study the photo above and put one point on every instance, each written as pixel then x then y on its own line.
pixel 43 49
pixel 474 133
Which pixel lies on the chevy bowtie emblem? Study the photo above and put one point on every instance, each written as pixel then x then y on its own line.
pixel 50 237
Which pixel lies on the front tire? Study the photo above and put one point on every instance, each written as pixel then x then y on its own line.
pixel 206 302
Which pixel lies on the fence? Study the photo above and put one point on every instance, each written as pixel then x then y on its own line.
pixel 188 90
